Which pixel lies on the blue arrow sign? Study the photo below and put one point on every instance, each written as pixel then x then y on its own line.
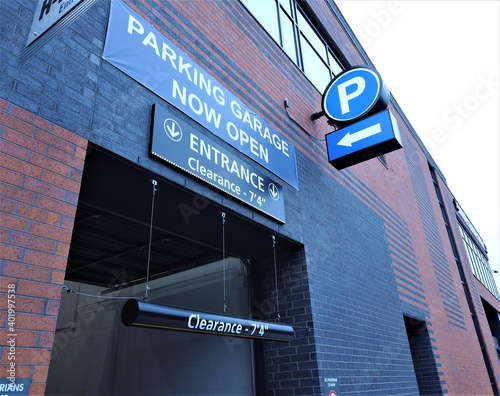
pixel 366 139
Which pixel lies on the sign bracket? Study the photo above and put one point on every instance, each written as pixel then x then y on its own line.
pixel 318 115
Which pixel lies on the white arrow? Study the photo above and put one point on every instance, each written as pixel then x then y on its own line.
pixel 273 191
pixel 349 138
pixel 172 131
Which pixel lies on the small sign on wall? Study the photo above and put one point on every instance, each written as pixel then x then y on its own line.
pixel 358 99
pixel 330 386
pixel 15 387
pixel 363 140
pixel 51 17
pixel 47 14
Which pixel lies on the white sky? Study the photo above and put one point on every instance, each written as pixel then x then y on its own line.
pixel 440 60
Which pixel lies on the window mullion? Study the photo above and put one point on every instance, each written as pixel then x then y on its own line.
pixel 291 28
pixel 296 32
pixel 280 25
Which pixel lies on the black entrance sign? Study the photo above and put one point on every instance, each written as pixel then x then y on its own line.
pixel 141 313
pixel 178 143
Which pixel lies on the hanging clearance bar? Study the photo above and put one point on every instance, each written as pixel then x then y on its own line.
pixel 145 314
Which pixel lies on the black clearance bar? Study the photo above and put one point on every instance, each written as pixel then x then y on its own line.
pixel 141 313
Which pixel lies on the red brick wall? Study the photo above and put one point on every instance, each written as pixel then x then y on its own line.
pixel 41 166
pixel 475 371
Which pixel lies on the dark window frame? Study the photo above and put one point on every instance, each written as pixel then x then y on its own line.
pixel 296 7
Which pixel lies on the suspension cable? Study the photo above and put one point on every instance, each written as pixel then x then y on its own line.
pixel 224 259
pixel 150 237
pixel 276 279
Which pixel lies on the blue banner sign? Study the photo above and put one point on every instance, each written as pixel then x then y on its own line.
pixel 174 141
pixel 143 53
pixel 363 140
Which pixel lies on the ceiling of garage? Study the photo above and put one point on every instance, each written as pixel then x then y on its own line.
pixel 110 241
pixel 111 250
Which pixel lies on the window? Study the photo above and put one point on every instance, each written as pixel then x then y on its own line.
pixel 476 251
pixel 288 25
pixel 479 263
pixel 265 12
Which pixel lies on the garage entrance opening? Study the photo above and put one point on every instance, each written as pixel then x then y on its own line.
pixel 93 352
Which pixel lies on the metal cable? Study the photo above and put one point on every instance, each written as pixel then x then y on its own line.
pixel 224 258
pixel 276 278
pixel 68 290
pixel 150 237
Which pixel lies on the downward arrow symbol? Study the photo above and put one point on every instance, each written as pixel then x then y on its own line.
pixel 349 138
pixel 170 129
pixel 273 191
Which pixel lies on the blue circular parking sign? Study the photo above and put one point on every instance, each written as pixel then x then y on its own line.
pixel 354 93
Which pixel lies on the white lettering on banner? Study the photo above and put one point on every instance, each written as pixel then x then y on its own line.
pixel 256 126
pixel 207 85
pixel 200 108
pixel 11 387
pixel 178 63
pixel 211 153
pixel 151 41
pixel 227 184
pixel 134 26
pixel 242 138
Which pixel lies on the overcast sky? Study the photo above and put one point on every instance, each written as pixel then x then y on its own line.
pixel 440 60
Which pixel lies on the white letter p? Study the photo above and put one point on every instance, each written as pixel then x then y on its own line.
pixel 134 25
pixel 344 97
